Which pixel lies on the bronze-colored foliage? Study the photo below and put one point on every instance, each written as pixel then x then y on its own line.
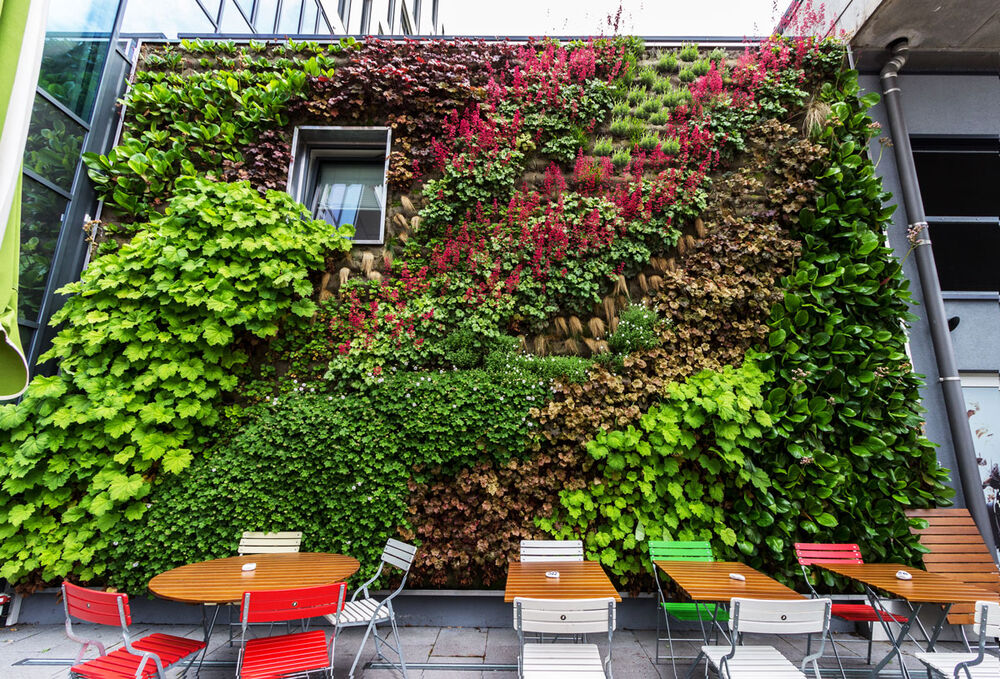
pixel 716 302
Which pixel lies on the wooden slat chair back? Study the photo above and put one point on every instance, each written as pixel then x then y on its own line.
pixel 811 553
pixel 760 616
pixel 976 664
pixel 680 550
pixel 300 653
pixel 956 549
pixel 572 617
pixel 551 550
pixel 144 658
pixel 284 542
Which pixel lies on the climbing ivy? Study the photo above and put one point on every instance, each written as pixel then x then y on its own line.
pixel 150 339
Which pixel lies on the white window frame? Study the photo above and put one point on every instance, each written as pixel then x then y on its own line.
pixel 312 144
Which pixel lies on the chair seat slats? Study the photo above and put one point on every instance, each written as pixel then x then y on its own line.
pixel 359 612
pixel 753 662
pixel 945 664
pixel 283 655
pixel 542 661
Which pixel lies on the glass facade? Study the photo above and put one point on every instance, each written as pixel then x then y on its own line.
pixel 83 71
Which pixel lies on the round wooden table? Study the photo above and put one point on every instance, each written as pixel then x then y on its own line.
pixel 222 581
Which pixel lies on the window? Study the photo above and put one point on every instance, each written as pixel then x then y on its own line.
pixel 957 178
pixel 339 174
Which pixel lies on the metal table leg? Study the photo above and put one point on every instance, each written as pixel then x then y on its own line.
pixel 208 626
pixel 904 629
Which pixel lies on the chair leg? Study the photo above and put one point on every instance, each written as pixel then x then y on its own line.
pixel 836 654
pixel 399 646
pixel 361 648
pixel 871 634
pixel 694 665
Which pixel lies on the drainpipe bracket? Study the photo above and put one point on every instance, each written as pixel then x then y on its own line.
pixel 953 378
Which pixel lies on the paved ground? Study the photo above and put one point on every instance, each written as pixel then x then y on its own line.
pixel 632 659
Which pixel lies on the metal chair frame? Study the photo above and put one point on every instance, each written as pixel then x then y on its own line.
pixel 399 555
pixel 289 612
pixel 124 619
pixel 739 625
pixel 985 628
pixel 699 551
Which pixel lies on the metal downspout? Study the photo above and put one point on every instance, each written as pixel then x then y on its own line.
pixel 951 386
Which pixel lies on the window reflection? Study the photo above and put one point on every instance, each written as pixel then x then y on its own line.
pixel 53 146
pixel 41 217
pixel 350 192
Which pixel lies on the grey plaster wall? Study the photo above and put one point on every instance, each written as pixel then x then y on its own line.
pixel 937 104
pixel 977 337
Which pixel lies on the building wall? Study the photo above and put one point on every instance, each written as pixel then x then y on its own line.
pixel 945 105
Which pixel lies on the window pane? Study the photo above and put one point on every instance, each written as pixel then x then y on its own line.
pixel 351 193
pixel 266 11
pixel 53 146
pixel 288 22
pixel 77 37
pixel 168 17
pixel 309 16
pixel 966 255
pixel 232 20
pixel 41 217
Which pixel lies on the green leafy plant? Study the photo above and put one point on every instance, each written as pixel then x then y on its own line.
pixel 687 75
pixel 152 336
pixel 688 53
pixel 664 479
pixel 621 158
pixel 667 63
pixel 701 67
pixel 603 147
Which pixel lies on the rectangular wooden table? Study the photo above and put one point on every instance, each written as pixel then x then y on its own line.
pixel 924 588
pixel 709 581
pixel 577 580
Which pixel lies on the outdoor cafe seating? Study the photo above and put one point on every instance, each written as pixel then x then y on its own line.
pixel 559 601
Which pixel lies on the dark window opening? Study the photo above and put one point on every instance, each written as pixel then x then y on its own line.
pixel 959 179
pixel 966 254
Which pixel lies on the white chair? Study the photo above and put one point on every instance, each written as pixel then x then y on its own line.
pixel 285 542
pixel 759 616
pixel 970 665
pixel 570 617
pixel 369 612
pixel 551 550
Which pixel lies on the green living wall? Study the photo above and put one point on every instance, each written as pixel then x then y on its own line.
pixel 625 294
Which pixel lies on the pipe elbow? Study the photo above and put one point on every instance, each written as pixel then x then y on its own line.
pixel 900 52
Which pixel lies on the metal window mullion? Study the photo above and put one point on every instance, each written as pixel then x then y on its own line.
pixel 62 108
pixel 943 219
pixel 31 174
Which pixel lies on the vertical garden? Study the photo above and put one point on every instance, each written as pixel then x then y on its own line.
pixel 625 293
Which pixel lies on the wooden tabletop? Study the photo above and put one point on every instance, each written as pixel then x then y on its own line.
pixel 931 588
pixel 577 580
pixel 223 580
pixel 710 581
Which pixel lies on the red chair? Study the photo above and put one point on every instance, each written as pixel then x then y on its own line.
pixel 809 554
pixel 298 653
pixel 143 659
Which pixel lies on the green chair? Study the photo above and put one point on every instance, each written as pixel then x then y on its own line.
pixel 664 550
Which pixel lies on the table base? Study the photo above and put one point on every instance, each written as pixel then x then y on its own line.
pixel 904 629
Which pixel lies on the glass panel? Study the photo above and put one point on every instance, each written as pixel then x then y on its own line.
pixel 246 6
pixel 76 42
pixel 983 406
pixel 168 17
pixel 53 146
pixel 288 22
pixel 232 20
pixel 41 218
pixel 309 16
pixel 266 11
pixel 966 254
pixel 959 184
pixel 351 192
